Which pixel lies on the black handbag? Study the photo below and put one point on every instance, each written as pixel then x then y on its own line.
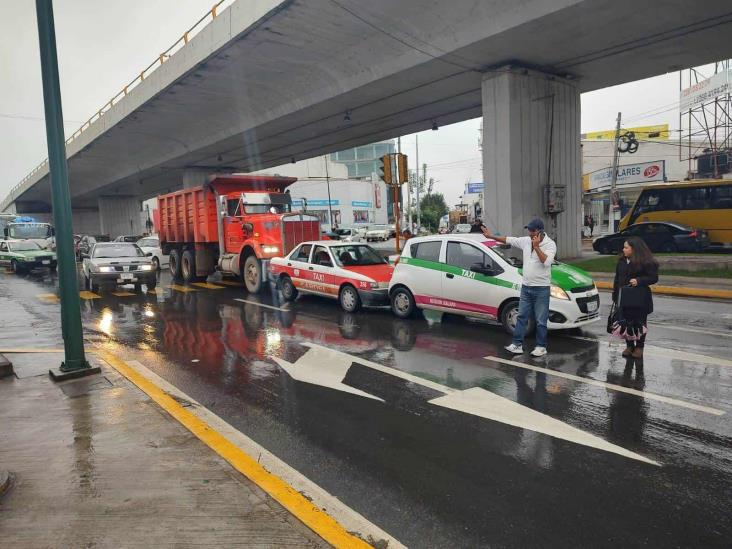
pixel 633 298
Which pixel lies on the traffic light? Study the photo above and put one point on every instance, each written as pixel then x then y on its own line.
pixel 402 174
pixel 386 175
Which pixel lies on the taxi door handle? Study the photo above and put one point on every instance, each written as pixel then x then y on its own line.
pixel 289 264
pixel 310 268
pixel 450 275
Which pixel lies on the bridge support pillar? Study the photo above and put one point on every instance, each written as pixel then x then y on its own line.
pixel 120 215
pixel 194 177
pixel 531 140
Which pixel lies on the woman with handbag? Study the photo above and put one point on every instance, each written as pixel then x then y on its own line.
pixel 636 271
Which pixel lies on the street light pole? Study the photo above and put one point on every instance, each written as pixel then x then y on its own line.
pixel 75 363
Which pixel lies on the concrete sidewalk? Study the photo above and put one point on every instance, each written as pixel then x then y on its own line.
pixel 96 463
pixel 681 286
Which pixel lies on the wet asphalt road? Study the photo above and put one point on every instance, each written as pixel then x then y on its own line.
pixel 429 475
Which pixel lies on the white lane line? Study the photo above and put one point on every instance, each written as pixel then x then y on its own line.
pixel 712 333
pixel 349 518
pixel 262 305
pixel 665 352
pixel 619 388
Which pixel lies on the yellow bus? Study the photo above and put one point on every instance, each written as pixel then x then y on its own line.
pixel 698 204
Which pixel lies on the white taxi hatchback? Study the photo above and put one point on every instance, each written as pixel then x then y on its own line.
pixel 470 275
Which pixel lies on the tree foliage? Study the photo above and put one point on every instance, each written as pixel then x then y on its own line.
pixel 433 207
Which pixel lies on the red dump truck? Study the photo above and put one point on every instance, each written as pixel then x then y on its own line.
pixel 234 224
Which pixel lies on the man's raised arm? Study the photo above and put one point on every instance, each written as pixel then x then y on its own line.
pixel 489 234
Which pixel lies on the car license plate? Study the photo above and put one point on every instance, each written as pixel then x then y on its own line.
pixel 592 306
pixel 46 261
pixel 127 276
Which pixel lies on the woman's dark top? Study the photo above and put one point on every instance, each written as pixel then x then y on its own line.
pixel 646 275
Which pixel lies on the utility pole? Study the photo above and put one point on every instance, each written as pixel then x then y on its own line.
pixel 327 183
pixel 75 363
pixel 401 191
pixel 416 163
pixel 614 202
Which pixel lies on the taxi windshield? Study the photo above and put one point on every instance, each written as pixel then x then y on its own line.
pixel 512 256
pixel 23 246
pixel 356 256
pixel 119 249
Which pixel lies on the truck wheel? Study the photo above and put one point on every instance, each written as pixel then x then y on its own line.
pixel 289 292
pixel 349 299
pixel 175 264
pixel 252 274
pixel 188 267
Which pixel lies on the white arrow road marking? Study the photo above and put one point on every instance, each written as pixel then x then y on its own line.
pixel 482 403
pixel 321 366
pixel 327 368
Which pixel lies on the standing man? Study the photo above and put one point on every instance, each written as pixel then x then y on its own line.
pixel 539 251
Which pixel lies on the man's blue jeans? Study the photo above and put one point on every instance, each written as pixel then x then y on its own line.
pixel 534 304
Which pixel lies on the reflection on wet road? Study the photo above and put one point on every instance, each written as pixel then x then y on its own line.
pixel 433 432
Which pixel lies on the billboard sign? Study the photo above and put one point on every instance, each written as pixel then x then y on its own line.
pixel 474 188
pixel 658 131
pixel 706 90
pixel 629 174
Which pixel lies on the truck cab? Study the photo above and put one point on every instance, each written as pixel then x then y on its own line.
pixel 234 224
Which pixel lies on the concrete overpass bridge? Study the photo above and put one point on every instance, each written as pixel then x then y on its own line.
pixel 269 81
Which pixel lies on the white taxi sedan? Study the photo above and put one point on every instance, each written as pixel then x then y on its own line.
pixel 470 275
pixel 355 274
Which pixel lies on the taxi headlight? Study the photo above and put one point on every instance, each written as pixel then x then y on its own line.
pixel 104 269
pixel 270 249
pixel 374 285
pixel 558 293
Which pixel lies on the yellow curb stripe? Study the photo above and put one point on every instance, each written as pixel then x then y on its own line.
pixel 679 291
pixel 89 295
pixel 123 294
pixel 317 520
pixel 50 298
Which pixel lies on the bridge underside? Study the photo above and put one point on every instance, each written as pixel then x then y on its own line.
pixel 266 84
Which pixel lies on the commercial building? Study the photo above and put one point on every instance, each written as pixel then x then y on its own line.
pixel 325 189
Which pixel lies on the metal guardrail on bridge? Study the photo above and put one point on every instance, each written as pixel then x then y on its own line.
pixel 209 16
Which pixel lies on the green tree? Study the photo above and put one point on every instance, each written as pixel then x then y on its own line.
pixel 433 207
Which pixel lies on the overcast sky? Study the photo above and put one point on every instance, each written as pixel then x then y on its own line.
pixel 103 45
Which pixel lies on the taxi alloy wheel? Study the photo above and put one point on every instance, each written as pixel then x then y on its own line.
pixel 289 292
pixel 15 267
pixel 350 300
pixel 402 303
pixel 509 319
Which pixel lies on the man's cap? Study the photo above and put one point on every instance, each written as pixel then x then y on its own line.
pixel 535 225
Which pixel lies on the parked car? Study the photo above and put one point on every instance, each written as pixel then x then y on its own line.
pixel 347 234
pixel 151 245
pixel 24 255
pixel 355 274
pixel 377 232
pixel 462 228
pixel 660 237
pixel 116 263
pixel 127 238
pixel 392 230
pixel 87 243
pixel 470 275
